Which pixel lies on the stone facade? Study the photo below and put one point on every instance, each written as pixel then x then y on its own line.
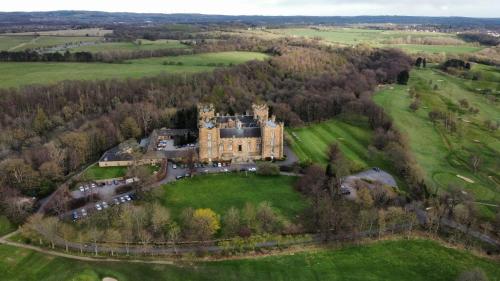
pixel 239 138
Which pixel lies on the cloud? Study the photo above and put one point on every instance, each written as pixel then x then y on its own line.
pixel 476 8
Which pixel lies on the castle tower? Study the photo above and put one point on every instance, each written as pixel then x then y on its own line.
pixel 260 112
pixel 205 111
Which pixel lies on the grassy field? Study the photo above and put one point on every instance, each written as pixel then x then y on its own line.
pixel 24 42
pixel 220 192
pixel 84 32
pixel 442 155
pixel 132 46
pixel 453 49
pixel 95 172
pixel 15 74
pixel 354 36
pixel 310 143
pixel 5 225
pixel 413 260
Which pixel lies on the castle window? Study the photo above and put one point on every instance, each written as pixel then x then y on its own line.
pixel 240 148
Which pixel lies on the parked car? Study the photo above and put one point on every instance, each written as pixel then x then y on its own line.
pixel 93 185
pixel 225 170
pixel 74 216
pixel 122 199
pixel 376 169
pixel 82 189
pixel 344 191
pixel 174 166
pixel 219 165
pixel 104 205
pixel 252 169
pixel 87 188
pixel 179 177
pixel 127 198
pixel 116 201
pixel 98 207
pixel 84 212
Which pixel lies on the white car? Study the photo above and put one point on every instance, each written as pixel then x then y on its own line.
pixel 219 165
pixel 104 205
pixel 98 207
pixel 87 188
pixel 94 185
pixel 122 199
pixel 127 198
pixel 225 170
pixel 253 169
pixel 84 212
pixel 82 189
pixel 117 201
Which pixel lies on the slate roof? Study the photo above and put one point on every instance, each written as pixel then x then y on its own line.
pixel 115 154
pixel 240 133
pixel 246 120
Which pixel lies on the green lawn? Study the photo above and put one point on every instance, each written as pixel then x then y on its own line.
pixel 220 192
pixel 15 74
pixel 5 225
pixel 132 46
pixel 415 260
pixel 443 155
pixel 99 173
pixel 310 143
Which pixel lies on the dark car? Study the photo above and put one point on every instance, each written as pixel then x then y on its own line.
pixel 376 169
pixel 345 191
pixel 179 177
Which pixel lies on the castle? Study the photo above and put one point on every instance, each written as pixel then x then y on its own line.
pixel 239 138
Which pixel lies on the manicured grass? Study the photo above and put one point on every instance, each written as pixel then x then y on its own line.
pixel 15 74
pixel 413 260
pixel 99 173
pixel 311 143
pixel 132 46
pixel 443 155
pixel 5 226
pixel 220 192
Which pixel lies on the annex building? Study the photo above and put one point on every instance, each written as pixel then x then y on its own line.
pixel 239 138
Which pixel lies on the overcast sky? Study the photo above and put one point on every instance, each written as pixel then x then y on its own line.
pixel 471 8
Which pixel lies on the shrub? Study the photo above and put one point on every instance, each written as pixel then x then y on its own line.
pixel 268 169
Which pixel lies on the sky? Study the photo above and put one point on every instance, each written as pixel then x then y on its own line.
pixel 469 8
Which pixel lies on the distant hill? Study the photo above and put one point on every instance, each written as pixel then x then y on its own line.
pixel 100 18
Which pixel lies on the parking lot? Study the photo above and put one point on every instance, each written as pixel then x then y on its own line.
pixel 180 171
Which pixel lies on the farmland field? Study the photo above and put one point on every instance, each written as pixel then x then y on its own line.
pixel 25 42
pixel 415 260
pixel 15 74
pixel 131 46
pixel 220 192
pixel 443 155
pixel 383 38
